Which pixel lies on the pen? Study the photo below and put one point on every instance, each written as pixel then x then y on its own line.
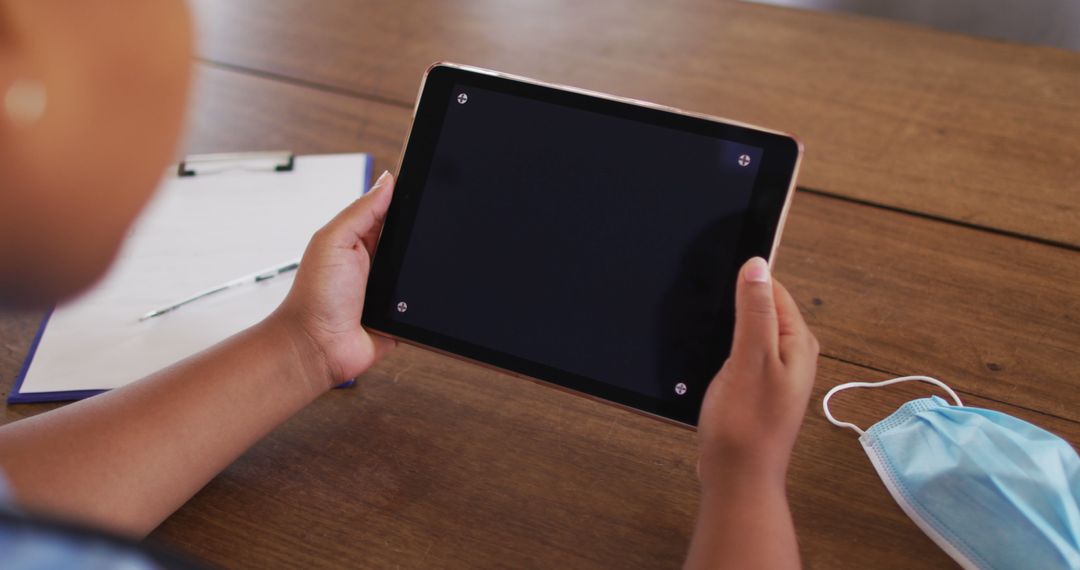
pixel 256 277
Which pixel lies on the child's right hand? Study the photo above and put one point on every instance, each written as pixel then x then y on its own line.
pixel 754 407
pixel 324 306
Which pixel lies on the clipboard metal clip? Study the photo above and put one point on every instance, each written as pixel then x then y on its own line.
pixel 270 161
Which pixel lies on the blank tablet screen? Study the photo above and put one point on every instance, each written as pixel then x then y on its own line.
pixel 589 246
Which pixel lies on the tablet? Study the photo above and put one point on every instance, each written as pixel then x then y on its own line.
pixel 583 240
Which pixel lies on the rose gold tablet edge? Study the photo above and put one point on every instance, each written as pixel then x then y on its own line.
pixel 788 199
pixel 539 381
pixel 638 102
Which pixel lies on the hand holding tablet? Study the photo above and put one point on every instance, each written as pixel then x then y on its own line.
pixel 574 238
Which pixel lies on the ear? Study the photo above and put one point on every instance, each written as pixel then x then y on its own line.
pixel 115 75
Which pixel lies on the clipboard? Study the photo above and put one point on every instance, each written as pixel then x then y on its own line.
pixel 214 218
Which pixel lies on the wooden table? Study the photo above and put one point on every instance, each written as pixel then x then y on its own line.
pixel 936 230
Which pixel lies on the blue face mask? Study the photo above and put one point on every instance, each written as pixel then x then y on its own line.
pixel 991 490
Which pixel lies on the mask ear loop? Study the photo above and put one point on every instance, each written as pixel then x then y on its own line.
pixel 842 387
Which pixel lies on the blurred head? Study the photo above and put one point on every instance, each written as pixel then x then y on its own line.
pixel 92 94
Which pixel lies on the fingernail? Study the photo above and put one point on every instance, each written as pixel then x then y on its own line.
pixel 757 270
pixel 382 178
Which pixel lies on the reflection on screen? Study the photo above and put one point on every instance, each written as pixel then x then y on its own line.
pixel 594 244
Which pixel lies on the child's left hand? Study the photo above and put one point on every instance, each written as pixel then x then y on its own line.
pixel 322 311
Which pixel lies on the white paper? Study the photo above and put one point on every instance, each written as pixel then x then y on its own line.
pixel 196 233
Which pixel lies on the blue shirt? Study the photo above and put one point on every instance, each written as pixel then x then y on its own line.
pixel 28 544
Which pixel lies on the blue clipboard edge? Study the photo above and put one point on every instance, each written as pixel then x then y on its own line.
pixel 17 397
pixel 369 171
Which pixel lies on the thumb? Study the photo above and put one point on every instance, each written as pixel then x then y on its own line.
pixel 362 220
pixel 756 328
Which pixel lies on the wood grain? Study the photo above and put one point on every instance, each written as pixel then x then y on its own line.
pixel 233 112
pixel 433 462
pixel 973 130
pixel 990 314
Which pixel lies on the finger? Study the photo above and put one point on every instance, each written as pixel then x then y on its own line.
pixel 383 345
pixel 362 220
pixel 385 188
pixel 796 340
pixel 755 311
pixel 789 319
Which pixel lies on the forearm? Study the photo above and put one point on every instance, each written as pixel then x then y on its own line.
pixel 127 459
pixel 744 522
